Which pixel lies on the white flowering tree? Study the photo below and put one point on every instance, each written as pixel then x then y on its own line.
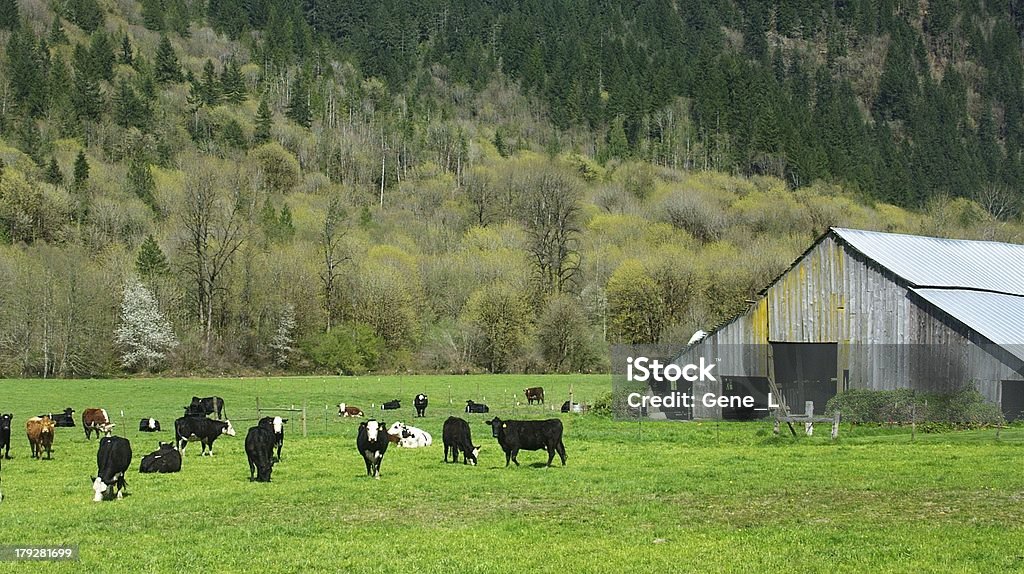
pixel 282 341
pixel 144 335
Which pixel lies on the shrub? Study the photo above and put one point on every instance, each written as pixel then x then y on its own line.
pixel 351 349
pixel 962 409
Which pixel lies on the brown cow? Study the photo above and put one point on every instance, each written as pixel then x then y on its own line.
pixel 40 435
pixel 349 411
pixel 534 394
pixel 96 420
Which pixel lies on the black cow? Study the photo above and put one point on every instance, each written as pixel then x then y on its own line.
pixel 206 406
pixel 112 461
pixel 259 448
pixel 276 426
pixel 457 436
pixel 391 405
pixel 574 407
pixel 5 434
pixel 64 419
pixel 420 402
pixel 372 443
pixel 472 407
pixel 149 425
pixel 514 436
pixel 164 459
pixel 206 430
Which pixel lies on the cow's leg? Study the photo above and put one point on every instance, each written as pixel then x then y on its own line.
pixel 515 453
pixel 561 452
pixel 551 454
pixel 252 470
pixel 508 457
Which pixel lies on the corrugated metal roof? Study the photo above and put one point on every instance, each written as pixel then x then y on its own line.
pixel 996 316
pixel 936 262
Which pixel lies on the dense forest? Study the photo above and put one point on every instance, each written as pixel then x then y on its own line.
pixel 456 186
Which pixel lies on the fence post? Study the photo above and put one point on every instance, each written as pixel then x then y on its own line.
pixel 809 413
pixel 835 425
pixel 303 419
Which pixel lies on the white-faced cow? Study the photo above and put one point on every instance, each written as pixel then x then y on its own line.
pixel 149 425
pixel 534 395
pixel 96 420
pixel 112 461
pixel 259 449
pixel 514 436
pixel 472 407
pixel 276 426
pixel 457 436
pixel 206 406
pixel 5 434
pixel 408 436
pixel 40 435
pixel 420 402
pixel 349 411
pixel 204 429
pixel 372 443
pixel 163 460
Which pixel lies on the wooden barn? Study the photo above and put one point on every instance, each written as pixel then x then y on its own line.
pixel 870 310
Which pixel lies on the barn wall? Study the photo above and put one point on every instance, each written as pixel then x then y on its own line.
pixel 886 339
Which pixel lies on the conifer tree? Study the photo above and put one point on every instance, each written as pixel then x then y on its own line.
pixel 264 121
pixel 153 15
pixel 53 174
pixel 166 69
pixel 232 84
pixel 127 56
pixel 8 14
pixel 57 34
pixel 151 261
pixel 298 104
pixel 81 173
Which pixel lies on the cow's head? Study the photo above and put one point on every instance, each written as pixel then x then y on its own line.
pixel 496 426
pixel 166 446
pixel 372 429
pixel 5 421
pixel 228 429
pixel 46 425
pixel 473 455
pixel 99 488
pixel 341 408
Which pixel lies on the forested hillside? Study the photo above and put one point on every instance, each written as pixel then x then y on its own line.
pixel 230 186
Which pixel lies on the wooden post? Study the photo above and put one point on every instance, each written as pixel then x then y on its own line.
pixel 257 406
pixel 835 425
pixel 776 425
pixel 809 413
pixel 303 419
pixel 913 421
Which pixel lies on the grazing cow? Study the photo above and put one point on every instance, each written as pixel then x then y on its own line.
pixel 349 411
pixel 372 443
pixel 574 407
pixel 420 402
pixel 472 407
pixel 259 449
pixel 164 459
pixel 206 406
pixel 64 419
pixel 40 435
pixel 391 405
pixel 514 436
pixel 206 430
pixel 406 436
pixel 534 394
pixel 96 420
pixel 276 426
pixel 5 434
pixel 112 461
pixel 149 425
pixel 456 436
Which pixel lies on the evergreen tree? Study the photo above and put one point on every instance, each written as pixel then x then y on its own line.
pixel 209 86
pixel 264 121
pixel 127 56
pixel 129 109
pixel 101 56
pixel 153 15
pixel 57 35
pixel 53 174
pixel 177 17
pixel 81 173
pixel 8 14
pixel 141 183
pixel 151 261
pixel 25 72
pixel 87 14
pixel 298 104
pixel 166 69
pixel 86 98
pixel 232 84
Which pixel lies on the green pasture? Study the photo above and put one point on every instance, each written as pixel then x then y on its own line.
pixel 656 497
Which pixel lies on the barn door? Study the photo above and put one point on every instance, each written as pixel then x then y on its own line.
pixel 1013 400
pixel 806 372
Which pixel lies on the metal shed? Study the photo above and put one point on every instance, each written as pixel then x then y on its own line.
pixel 871 310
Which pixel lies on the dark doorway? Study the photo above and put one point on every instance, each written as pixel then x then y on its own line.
pixel 806 372
pixel 1013 400
pixel 756 387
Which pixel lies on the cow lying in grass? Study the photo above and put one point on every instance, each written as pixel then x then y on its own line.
pixel 406 436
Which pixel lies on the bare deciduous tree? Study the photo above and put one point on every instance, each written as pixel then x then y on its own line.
pixel 549 209
pixel 331 235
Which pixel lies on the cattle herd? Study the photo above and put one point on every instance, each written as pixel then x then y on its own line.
pixel 264 441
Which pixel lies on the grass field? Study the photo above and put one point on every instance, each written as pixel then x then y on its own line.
pixel 670 497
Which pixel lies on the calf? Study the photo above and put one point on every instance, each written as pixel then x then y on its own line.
pixel 5 434
pixel 206 430
pixel 391 405
pixel 408 437
pixel 420 402
pixel 349 411
pixel 259 449
pixel 149 425
pixel 206 406
pixel 514 436
pixel 40 435
pixel 456 436
pixel 472 407
pixel 112 461
pixel 276 426
pixel 64 419
pixel 96 420
pixel 163 460
pixel 534 394
pixel 372 443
